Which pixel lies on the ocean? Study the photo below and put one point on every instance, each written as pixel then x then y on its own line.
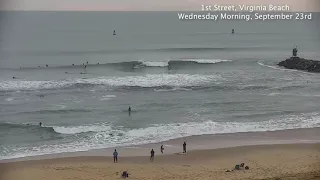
pixel 180 78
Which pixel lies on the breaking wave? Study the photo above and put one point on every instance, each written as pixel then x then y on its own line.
pixel 146 63
pixel 146 81
pixel 106 136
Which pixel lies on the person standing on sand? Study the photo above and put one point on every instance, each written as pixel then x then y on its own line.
pixel 152 155
pixel 184 147
pixel 115 156
pixel 161 149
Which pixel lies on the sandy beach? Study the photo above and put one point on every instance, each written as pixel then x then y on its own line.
pixel 273 161
pixel 295 161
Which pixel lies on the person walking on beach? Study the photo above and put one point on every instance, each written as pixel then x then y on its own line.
pixel 115 156
pixel 184 147
pixel 152 155
pixel 161 149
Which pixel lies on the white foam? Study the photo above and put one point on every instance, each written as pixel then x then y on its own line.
pixel 293 94
pixel 106 136
pixel 165 63
pixel 61 106
pixel 81 129
pixel 173 89
pixel 284 69
pixel 149 80
pixel 274 94
pixel 207 61
pixel 273 67
pixel 155 63
pixel 107 97
pixel 9 99
pixel 104 99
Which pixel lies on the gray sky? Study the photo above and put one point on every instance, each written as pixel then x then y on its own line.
pixel 144 5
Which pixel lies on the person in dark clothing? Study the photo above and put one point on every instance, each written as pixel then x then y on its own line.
pixel 129 111
pixel 115 156
pixel 40 124
pixel 184 147
pixel 162 149
pixel 125 174
pixel 152 155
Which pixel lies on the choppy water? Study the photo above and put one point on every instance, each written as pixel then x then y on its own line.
pixel 180 78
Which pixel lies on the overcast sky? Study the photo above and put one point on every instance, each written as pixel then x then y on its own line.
pixel 144 5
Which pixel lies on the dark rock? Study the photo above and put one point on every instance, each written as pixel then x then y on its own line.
pixel 301 64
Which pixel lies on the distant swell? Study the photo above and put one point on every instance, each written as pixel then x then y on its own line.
pixel 54 129
pixel 28 126
pixel 113 51
pixel 145 63
pixel 59 111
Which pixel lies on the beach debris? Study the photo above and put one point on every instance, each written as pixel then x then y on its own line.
pixel 125 174
pixel 241 167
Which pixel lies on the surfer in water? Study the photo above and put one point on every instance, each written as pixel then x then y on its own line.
pixel 85 69
pixel 40 124
pixel 129 110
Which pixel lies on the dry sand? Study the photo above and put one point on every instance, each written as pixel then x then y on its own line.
pixel 292 161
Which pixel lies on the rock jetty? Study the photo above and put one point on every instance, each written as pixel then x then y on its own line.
pixel 301 64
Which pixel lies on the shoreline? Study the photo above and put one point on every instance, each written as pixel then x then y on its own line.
pixel 194 143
